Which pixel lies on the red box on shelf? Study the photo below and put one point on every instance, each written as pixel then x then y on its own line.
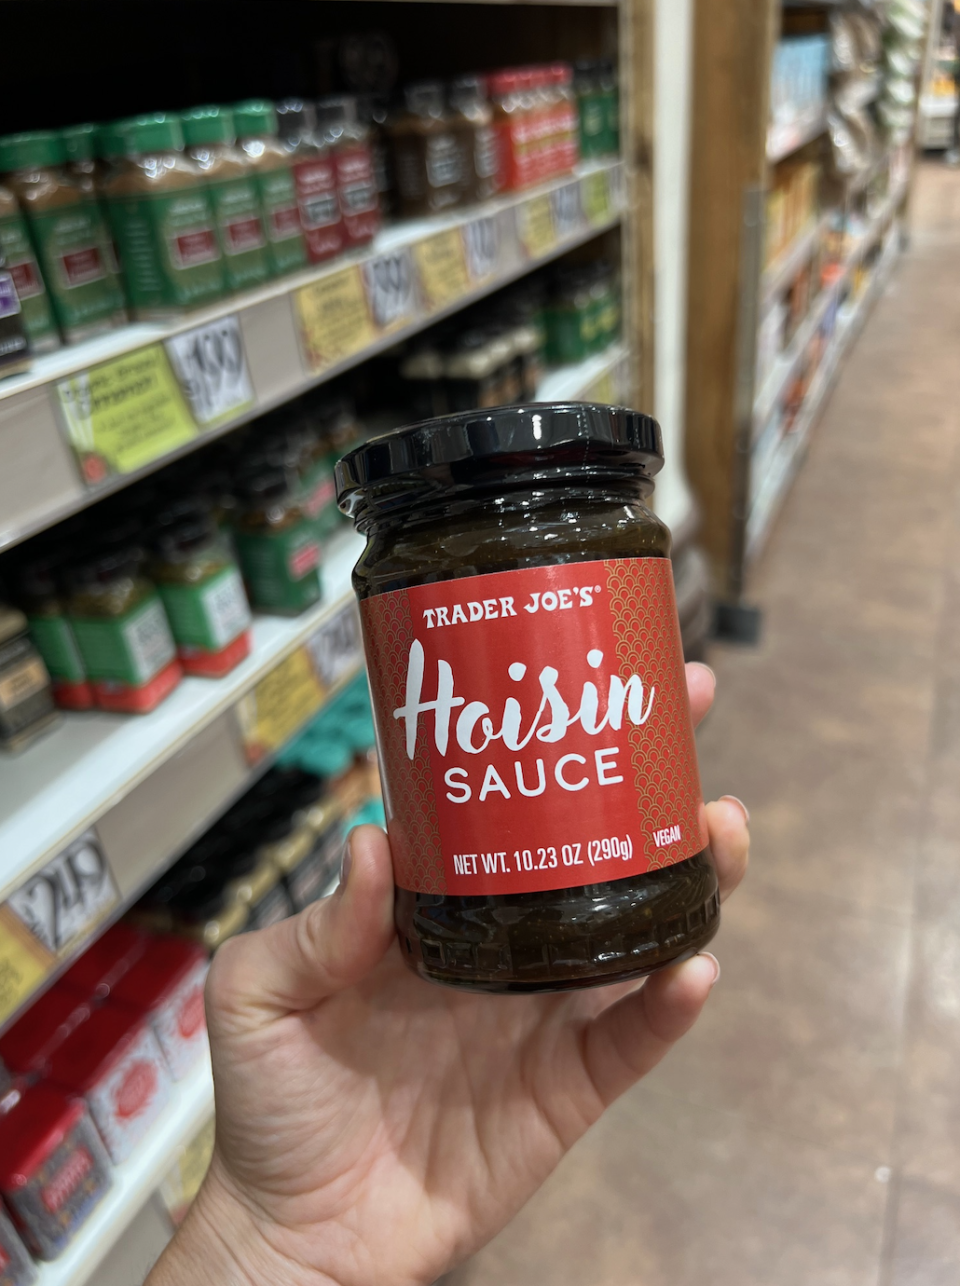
pixel 166 984
pixel 28 1046
pixel 105 961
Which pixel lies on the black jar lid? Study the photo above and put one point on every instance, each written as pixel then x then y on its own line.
pixel 504 446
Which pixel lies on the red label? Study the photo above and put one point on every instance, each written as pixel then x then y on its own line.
pixel 193 248
pixel 26 278
pixel 285 223
pixel 65 1182
pixel 319 207
pixel 80 267
pixel 243 234
pixel 534 728
pixel 191 1017
pixel 303 559
pixel 136 1090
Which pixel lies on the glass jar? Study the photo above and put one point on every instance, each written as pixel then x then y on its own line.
pixel 201 590
pixel 21 264
pixel 50 629
pixel 209 133
pixel 473 119
pixel 315 178
pixel 428 157
pixel 26 696
pixel 373 112
pixel 81 143
pixel 592 107
pixel 122 631
pixel 14 345
pixel 277 544
pixel 340 125
pixel 162 221
pixel 566 121
pixel 272 168
pixel 511 119
pixel 68 231
pixel 537 753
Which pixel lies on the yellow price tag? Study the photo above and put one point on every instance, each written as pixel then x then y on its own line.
pixel 24 963
pixel 595 194
pixel 279 705
pixel 125 413
pixel 538 236
pixel 442 265
pixel 334 317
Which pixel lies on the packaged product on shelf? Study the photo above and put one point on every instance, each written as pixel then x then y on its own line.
pixel 277 544
pixel 374 112
pixel 16 1266
pixel 566 119
pixel 571 317
pixel 473 120
pixel 512 115
pixel 21 263
pixel 27 1047
pixel 166 984
pixel 114 1062
pixel 271 165
pixel 201 589
pixel 163 222
pixel 80 143
pixel 67 229
pixel 315 177
pixel 14 345
pixel 210 136
pixel 53 1169
pixel 476 372
pixel 40 596
pixel 530 602
pixel 96 973
pixel 610 98
pixel 592 107
pixel 27 707
pixel 429 161
pixel 349 139
pixel 122 631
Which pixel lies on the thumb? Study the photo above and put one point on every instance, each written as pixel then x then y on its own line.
pixel 333 944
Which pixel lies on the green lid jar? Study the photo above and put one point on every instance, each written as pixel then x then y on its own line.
pixel 162 218
pixel 67 230
pixel 80 143
pixel 277 544
pixel 209 135
pixel 271 165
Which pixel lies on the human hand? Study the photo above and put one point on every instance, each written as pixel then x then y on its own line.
pixel 373 1128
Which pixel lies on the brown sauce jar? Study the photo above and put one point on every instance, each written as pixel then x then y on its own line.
pixel 428 155
pixel 540 777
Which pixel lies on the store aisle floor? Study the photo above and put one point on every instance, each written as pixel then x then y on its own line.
pixel 808 1132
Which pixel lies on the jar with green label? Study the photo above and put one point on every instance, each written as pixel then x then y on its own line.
pixel 122 631
pixel 80 143
pixel 209 135
pixel 277 544
pixel 592 108
pixel 571 319
pixel 610 100
pixel 51 631
pixel 202 591
pixel 163 222
pixel 271 165
pixel 66 228
pixel 22 265
pixel 299 446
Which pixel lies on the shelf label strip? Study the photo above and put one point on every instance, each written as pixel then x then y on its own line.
pixel 334 318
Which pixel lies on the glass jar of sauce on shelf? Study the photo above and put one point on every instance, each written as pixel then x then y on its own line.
pixel 315 177
pixel 349 139
pixel 429 158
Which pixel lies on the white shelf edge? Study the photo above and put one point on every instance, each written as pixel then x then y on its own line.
pixel 135 1180
pixel 784 140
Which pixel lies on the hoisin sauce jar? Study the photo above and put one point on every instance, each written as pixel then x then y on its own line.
pixel 540 776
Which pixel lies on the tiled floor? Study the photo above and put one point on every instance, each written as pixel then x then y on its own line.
pixel 808 1132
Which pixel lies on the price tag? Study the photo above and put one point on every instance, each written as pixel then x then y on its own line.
pixel 565 203
pixel 442 265
pixel 125 413
pixel 597 205
pixel 64 901
pixel 535 227
pixel 390 289
pixel 334 318
pixel 24 963
pixel 482 241
pixel 336 647
pixel 211 365
pixel 280 705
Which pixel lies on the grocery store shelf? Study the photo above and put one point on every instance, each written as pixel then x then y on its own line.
pixel 601 378
pixel 933 106
pixel 135 1180
pixel 783 466
pixel 407 281
pixel 786 137
pixel 790 260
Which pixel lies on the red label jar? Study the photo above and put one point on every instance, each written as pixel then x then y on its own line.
pixel 166 984
pixel 540 775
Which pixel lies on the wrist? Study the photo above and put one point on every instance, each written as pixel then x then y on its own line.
pixel 222 1242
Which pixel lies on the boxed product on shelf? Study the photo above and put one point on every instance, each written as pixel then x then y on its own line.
pixel 53 1168
pixel 166 984
pixel 96 973
pixel 27 1047
pixel 16 1266
pixel 115 1063
pixel 791 205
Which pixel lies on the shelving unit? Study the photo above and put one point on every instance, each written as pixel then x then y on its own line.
pixel 741 462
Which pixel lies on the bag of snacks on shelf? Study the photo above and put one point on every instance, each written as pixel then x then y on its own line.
pixel 115 1063
pixel 53 1169
pixel 166 984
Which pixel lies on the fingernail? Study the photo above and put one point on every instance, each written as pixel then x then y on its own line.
pixel 741 805
pixel 346 861
pixel 708 955
pixel 703 666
